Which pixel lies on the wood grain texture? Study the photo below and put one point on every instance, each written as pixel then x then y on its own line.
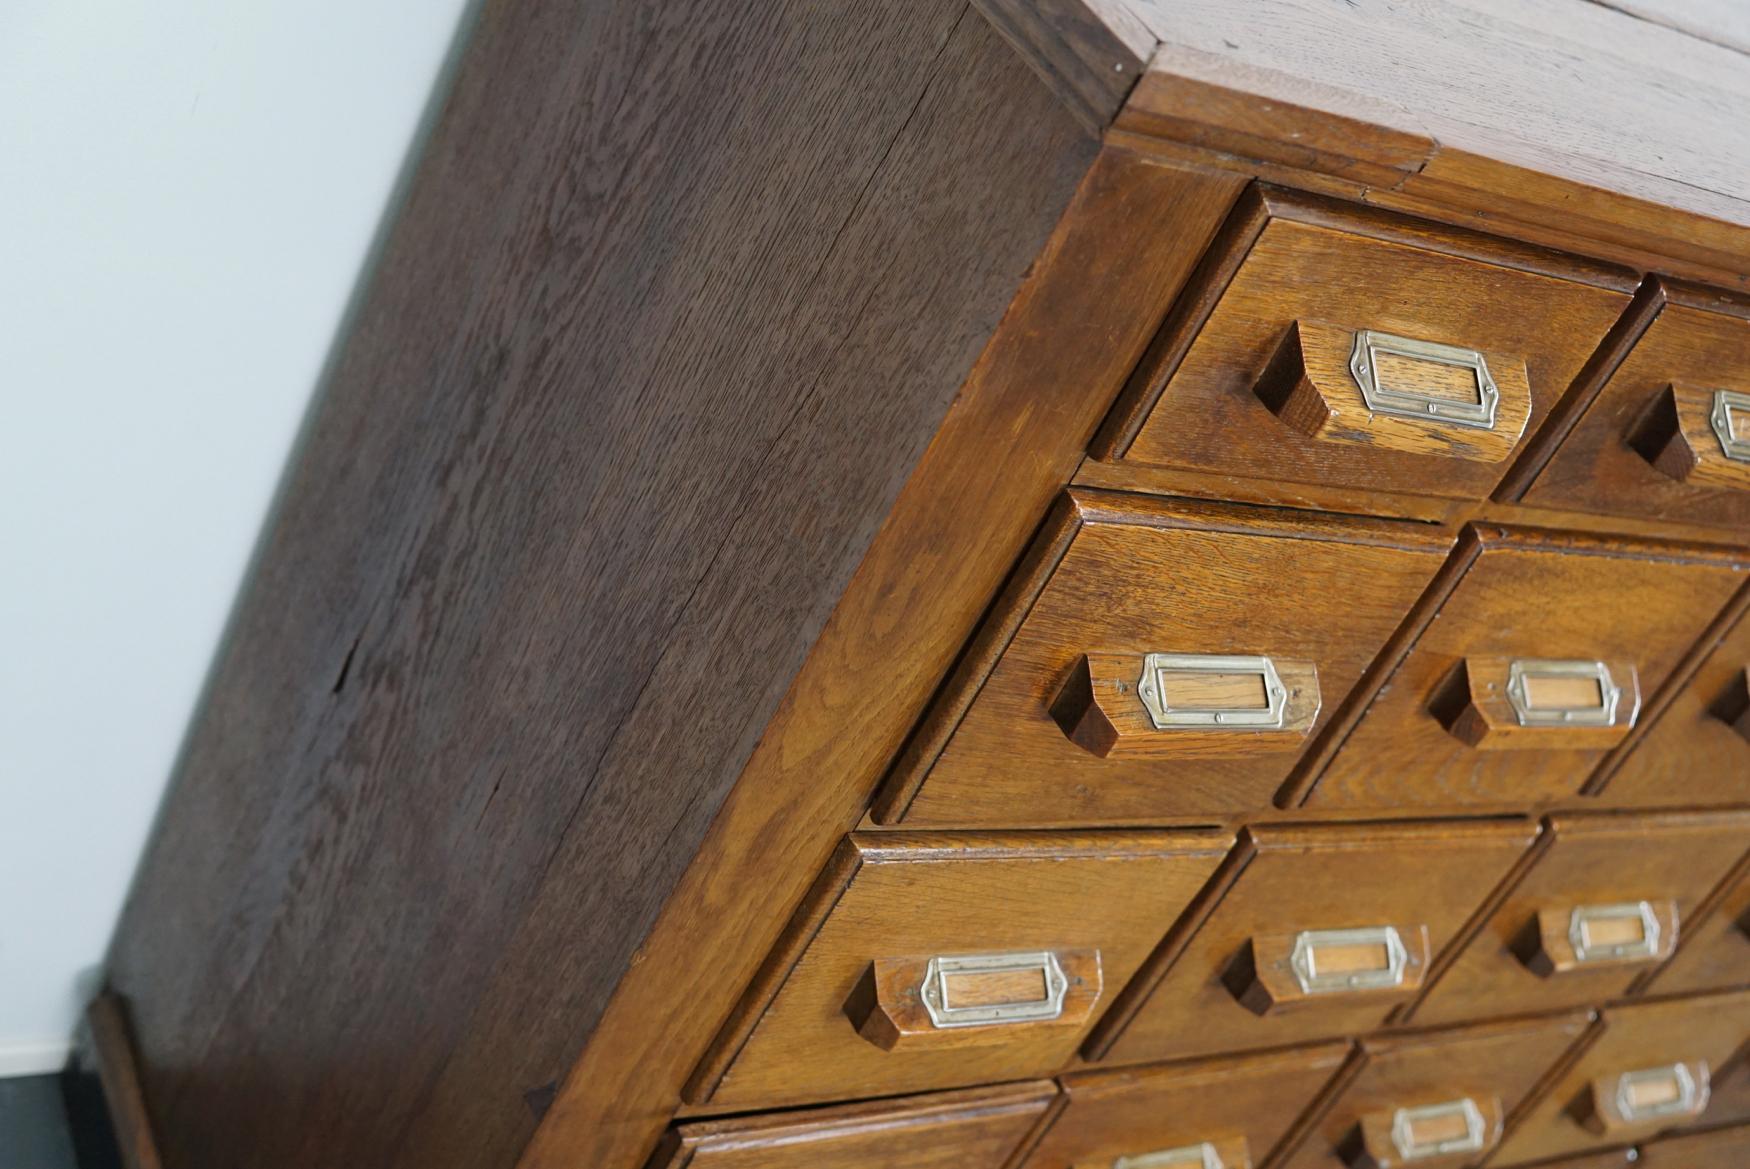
pixel 1223 402
pixel 1618 459
pixel 1269 493
pixel 1098 708
pixel 1586 860
pixel 1715 954
pixel 1262 976
pixel 1435 875
pixel 919 896
pixel 1629 1038
pixel 1076 328
pixel 1088 52
pixel 635 385
pixel 1309 384
pixel 974 1129
pixel 1136 577
pixel 1618 343
pixel 1620 600
pixel 1677 436
pixel 111 1053
pixel 1494 1065
pixel 1474 707
pixel 1694 752
pixel 1249 1102
pixel 678 298
pixel 1479 95
pixel 1721 22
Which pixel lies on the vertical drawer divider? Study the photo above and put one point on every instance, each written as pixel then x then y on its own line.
pixel 1444 960
pixel 1658 702
pixel 1155 967
pixel 1304 778
pixel 1315 1112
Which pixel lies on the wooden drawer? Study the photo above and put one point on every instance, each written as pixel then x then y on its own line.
pixel 976 1129
pixel 1433 1099
pixel 1502 697
pixel 1046 720
pixel 1320 931
pixel 1330 346
pixel 1645 1069
pixel 1648 444
pixel 1715 953
pixel 934 961
pixel 1603 902
pixel 1726 1148
pixel 1238 1108
pixel 1699 750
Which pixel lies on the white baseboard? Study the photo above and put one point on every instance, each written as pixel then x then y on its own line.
pixel 33 1057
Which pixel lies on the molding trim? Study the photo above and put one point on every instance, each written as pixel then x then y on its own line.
pixel 111 1053
pixel 33 1057
pixel 1089 53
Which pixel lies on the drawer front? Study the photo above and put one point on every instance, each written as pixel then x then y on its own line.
pixel 1699 750
pixel 1665 438
pixel 926 962
pixel 1340 357
pixel 1604 903
pixel 1436 1100
pixel 977 1129
pixel 1715 953
pixel 1533 668
pixel 1727 1148
pixel 1649 1070
pixel 1234 1110
pixel 1322 931
pixel 1159 659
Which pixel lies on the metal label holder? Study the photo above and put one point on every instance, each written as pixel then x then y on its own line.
pixel 1203 1156
pixel 1692 1092
pixel 1728 403
pixel 1585 950
pixel 1405 1120
pixel 1602 715
pixel 1381 399
pixel 1153 692
pixel 944 1013
pixel 1304 960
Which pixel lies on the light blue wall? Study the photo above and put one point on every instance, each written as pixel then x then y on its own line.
pixel 187 194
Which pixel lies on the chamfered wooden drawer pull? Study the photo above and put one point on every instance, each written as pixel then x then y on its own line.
pixel 965 1000
pixel 1227 1153
pixel 1395 393
pixel 1636 1098
pixel 1446 1129
pixel 1277 971
pixel 1182 705
pixel 1497 704
pixel 1604 935
pixel 1697 436
pixel 1732 705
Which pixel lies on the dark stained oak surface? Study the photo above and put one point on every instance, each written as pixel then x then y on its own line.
pixel 679 294
pixel 1123 250
pixel 619 560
